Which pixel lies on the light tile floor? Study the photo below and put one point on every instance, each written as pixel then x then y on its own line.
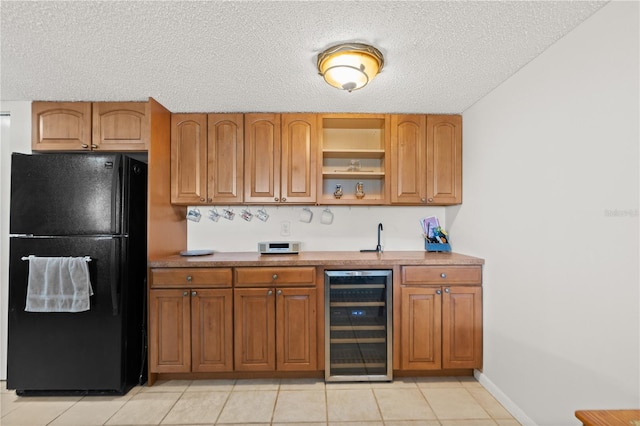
pixel 450 401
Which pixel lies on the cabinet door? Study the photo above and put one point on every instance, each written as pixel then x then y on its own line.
pixel 262 158
pixel 462 327
pixel 421 328
pixel 212 330
pixel 225 148
pixel 296 347
pixel 408 175
pixel 121 126
pixel 444 159
pixel 169 331
pixel 189 159
pixel 298 158
pixel 60 126
pixel 254 329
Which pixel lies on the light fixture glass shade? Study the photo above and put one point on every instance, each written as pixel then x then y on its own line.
pixel 350 66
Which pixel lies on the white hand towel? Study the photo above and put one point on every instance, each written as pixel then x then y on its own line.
pixel 58 284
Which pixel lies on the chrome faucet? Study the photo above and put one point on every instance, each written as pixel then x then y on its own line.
pixel 379 247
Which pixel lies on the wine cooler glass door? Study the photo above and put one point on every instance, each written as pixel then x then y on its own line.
pixel 358 325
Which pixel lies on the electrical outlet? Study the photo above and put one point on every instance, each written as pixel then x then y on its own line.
pixel 285 228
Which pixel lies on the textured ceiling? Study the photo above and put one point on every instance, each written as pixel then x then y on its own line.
pixel 225 56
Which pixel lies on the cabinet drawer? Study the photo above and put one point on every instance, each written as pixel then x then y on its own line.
pixel 275 276
pixel 191 277
pixel 441 275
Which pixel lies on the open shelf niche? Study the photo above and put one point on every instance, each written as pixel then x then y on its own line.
pixel 353 149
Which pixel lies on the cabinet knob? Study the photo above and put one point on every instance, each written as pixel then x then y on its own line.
pixel 276 199
pixel 284 199
pixel 430 200
pixel 201 199
pixel 443 275
pixel 269 293
pixel 194 293
pixel 85 146
pixel 209 200
pixel 424 200
pixel 186 293
pixel 446 290
pixel 189 278
pixel 275 277
pixel 94 146
pixel 438 291
pixel 279 292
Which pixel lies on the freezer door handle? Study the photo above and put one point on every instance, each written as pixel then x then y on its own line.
pixel 116 195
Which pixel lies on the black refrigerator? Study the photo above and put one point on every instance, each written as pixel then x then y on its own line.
pixel 71 205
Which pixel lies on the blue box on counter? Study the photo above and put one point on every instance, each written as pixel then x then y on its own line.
pixel 446 247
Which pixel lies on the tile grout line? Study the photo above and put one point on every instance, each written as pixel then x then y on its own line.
pixel 224 404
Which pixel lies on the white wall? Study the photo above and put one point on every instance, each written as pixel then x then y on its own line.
pixel 551 160
pixel 15 137
pixel 353 228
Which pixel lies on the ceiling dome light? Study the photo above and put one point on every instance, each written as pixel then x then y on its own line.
pixel 350 66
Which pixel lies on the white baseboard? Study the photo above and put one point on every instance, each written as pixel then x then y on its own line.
pixel 503 399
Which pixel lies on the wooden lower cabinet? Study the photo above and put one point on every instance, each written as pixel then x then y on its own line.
pixel 441 327
pixel 191 330
pixel 275 329
pixel 440 317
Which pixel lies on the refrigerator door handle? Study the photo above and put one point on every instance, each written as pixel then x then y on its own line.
pixel 115 278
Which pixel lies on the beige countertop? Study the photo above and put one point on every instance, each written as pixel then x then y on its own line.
pixel 316 258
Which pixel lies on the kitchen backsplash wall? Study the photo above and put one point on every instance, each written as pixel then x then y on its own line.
pixel 353 228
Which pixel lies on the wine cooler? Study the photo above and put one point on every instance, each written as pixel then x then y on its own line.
pixel 358 325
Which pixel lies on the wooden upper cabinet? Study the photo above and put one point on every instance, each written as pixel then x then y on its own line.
pixel 408 159
pixel 121 126
pixel 262 158
pixel 60 126
pixel 225 153
pixel 298 158
pixel 189 158
pixel 280 158
pixel 86 126
pixel 444 159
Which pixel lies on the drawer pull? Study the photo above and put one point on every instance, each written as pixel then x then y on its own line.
pixel 443 275
pixel 189 278
pixel 275 277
